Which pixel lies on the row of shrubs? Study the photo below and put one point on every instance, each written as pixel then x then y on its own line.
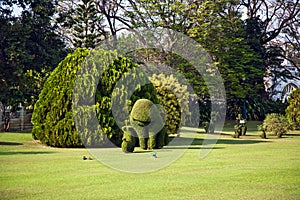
pixel 53 116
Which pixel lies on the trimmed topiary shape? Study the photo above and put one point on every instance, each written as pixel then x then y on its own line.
pixel 240 127
pixel 141 112
pixel 146 119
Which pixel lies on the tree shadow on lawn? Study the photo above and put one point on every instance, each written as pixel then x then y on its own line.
pixel 10 143
pixel 182 141
pixel 292 135
pixel 143 151
pixel 192 147
pixel 7 153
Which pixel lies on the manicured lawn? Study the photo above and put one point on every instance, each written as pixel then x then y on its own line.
pixel 245 168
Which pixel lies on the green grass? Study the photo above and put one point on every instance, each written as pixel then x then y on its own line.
pixel 245 168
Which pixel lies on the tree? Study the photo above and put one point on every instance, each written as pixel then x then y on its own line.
pixel 52 117
pixel 175 15
pixel 80 23
pixel 85 26
pixel 219 28
pixel 29 50
pixel 275 16
pixel 174 98
pixel 110 9
pixel 96 20
pixel 273 32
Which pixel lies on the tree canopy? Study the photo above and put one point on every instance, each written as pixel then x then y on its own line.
pixel 246 39
pixel 29 49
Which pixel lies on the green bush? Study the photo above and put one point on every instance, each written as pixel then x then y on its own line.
pixel 293 109
pixel 53 115
pixel 115 85
pixel 276 124
pixel 174 98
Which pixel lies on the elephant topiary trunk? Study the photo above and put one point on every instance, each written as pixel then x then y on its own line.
pixel 128 140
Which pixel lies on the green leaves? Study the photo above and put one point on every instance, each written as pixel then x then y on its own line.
pixel 30 49
pixel 85 23
pixel 293 109
pixel 121 81
pixel 277 124
pixel 52 117
pixel 174 98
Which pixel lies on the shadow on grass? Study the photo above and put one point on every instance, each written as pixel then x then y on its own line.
pixel 143 151
pixel 192 147
pixel 10 143
pixel 199 141
pixel 292 134
pixel 7 153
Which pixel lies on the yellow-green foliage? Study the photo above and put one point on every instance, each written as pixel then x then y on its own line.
pixel 293 109
pixel 174 98
pixel 276 124
pixel 52 117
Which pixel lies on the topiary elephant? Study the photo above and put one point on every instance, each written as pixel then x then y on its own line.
pixel 148 123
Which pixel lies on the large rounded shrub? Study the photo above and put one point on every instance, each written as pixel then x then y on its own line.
pixel 53 115
pixel 174 97
pixel 52 118
pixel 293 109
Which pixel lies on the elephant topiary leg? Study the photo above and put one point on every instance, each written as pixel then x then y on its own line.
pixel 152 141
pixel 162 138
pixel 143 134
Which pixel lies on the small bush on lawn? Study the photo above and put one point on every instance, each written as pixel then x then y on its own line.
pixel 276 124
